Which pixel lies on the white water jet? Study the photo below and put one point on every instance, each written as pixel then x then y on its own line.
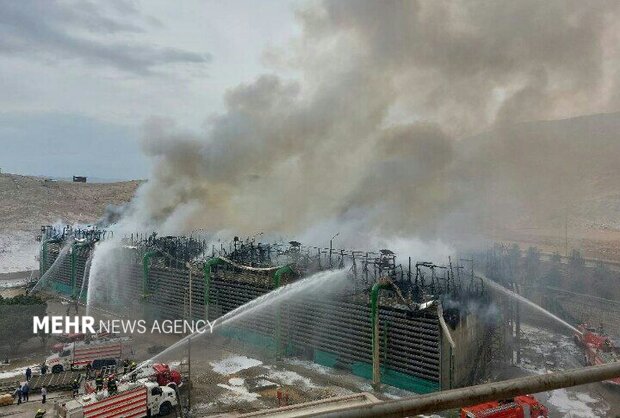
pixel 319 281
pixel 86 275
pixel 99 271
pixel 525 301
pixel 53 269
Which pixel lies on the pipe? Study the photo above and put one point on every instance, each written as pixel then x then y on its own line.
pixel 277 276
pixel 145 272
pixel 473 395
pixel 446 332
pixel 43 257
pixel 206 269
pixel 277 281
pixel 74 248
pixel 250 268
pixel 382 283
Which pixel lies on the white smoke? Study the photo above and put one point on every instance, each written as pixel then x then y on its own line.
pixel 365 141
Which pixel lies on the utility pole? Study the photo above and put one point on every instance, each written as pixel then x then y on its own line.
pixel 566 231
pixel 331 248
pixel 517 325
pixel 190 268
pixel 189 373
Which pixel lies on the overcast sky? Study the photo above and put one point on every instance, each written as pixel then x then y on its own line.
pixel 79 79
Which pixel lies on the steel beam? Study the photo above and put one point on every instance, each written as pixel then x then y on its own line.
pixel 472 395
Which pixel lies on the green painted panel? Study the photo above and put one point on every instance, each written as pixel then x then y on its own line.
pixel 62 288
pixel 396 379
pixel 325 358
pixel 251 337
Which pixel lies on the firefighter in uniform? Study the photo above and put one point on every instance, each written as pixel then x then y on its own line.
pixel 112 389
pixel 279 396
pixel 133 366
pixel 40 413
pixel 99 382
pixel 125 366
pixel 75 386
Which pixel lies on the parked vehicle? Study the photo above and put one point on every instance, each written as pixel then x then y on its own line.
pixel 598 348
pixel 81 354
pixel 157 372
pixel 133 400
pixel 519 407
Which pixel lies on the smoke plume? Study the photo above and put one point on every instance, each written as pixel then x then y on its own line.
pixel 373 136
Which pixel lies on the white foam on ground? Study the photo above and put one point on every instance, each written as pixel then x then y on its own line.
pixel 9 284
pixel 236 381
pixel 18 372
pixel 236 394
pixel 234 364
pixel 311 366
pixel 290 378
pixel 575 404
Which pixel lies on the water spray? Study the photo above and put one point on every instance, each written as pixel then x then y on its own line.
pixel 53 269
pixel 525 301
pixel 317 280
pixel 86 275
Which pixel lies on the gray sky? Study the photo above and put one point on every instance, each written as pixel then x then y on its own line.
pixel 79 79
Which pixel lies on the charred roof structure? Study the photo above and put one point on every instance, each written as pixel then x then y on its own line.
pixel 416 325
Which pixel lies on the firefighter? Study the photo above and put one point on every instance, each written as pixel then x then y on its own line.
pixel 279 395
pixel 18 394
pixel 112 389
pixel 134 377
pixel 75 387
pixel 25 391
pixel 40 413
pixel 99 382
pixel 133 366
pixel 125 366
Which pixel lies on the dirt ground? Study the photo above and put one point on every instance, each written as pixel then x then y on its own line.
pixel 29 202
pixel 225 372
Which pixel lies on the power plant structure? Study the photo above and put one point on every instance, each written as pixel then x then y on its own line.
pixel 414 325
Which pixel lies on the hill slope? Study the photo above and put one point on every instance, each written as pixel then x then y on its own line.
pixel 27 202
pixel 533 178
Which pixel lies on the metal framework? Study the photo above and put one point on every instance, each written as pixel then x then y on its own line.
pixel 185 277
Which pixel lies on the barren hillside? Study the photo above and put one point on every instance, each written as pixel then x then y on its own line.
pixel 27 202
pixel 544 180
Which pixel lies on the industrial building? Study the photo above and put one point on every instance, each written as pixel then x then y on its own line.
pixel 414 325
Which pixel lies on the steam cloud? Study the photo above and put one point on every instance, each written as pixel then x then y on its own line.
pixel 373 136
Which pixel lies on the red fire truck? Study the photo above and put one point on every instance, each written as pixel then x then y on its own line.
pixel 598 348
pixel 520 407
pixel 157 372
pixel 133 400
pixel 78 355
